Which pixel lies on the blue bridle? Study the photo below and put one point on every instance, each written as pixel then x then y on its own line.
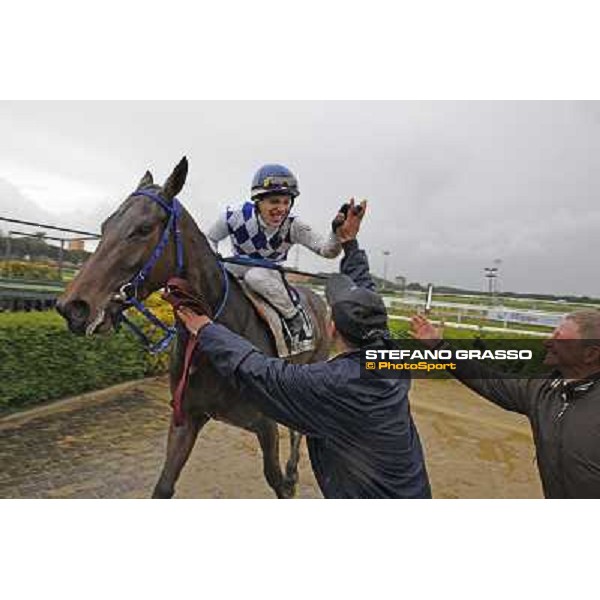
pixel 129 292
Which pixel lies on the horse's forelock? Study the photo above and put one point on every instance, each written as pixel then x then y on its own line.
pixel 132 201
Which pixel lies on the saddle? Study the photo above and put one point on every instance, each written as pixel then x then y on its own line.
pixel 278 325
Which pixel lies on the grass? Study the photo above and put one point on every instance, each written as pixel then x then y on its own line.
pixel 401 328
pixel 507 302
pixel 449 318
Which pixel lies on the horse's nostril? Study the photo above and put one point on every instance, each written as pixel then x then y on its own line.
pixel 75 312
pixel 79 311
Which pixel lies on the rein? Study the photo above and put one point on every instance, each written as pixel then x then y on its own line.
pixel 267 264
pixel 128 293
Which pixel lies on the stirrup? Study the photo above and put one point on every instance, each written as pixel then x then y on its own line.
pixel 298 339
pixel 296 325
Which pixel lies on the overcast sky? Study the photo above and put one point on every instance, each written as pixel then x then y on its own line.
pixel 452 186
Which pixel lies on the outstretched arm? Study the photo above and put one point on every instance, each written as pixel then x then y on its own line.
pixel 510 394
pixel 344 227
pixel 303 234
pixel 293 395
pixel 355 263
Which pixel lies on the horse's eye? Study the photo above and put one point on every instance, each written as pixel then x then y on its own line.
pixel 142 231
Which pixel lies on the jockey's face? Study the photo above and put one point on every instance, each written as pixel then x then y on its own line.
pixel 274 209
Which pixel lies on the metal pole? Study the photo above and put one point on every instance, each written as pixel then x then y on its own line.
pixel 94 235
pixel 428 298
pixel 8 250
pixel 386 253
pixel 497 263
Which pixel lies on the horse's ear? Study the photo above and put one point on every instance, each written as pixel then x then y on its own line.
pixel 145 181
pixel 176 179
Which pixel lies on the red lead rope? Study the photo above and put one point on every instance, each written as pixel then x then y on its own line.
pixel 178 415
pixel 178 293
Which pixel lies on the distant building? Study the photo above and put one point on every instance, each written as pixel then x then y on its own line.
pixel 76 245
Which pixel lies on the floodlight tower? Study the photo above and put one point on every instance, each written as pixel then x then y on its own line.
pixel 497 286
pixel 491 273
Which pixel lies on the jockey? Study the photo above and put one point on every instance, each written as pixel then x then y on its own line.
pixel 264 228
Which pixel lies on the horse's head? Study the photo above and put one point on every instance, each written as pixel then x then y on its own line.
pixel 92 301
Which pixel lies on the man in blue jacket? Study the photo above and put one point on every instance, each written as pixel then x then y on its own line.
pixel 361 437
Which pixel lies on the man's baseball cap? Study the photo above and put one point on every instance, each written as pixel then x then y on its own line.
pixel 358 313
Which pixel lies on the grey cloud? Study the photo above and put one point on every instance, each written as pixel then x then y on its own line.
pixel 452 185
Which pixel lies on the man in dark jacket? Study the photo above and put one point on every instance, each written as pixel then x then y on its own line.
pixel 563 409
pixel 361 437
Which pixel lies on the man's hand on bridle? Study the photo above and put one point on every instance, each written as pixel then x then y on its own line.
pixel 193 322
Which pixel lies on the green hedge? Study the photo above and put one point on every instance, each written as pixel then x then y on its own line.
pixel 27 270
pixel 40 360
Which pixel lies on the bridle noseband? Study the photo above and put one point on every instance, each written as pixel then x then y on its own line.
pixel 128 293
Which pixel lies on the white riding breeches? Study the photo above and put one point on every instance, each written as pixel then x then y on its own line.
pixel 269 284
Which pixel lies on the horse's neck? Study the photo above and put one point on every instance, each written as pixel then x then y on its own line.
pixel 200 262
pixel 206 278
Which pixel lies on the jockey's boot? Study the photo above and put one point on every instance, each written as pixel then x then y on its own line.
pixel 298 335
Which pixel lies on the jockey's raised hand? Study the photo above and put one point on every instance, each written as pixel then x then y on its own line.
pixel 346 224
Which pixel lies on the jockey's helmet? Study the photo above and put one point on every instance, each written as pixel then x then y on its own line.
pixel 274 179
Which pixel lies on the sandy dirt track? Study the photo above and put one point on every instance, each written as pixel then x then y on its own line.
pixel 111 444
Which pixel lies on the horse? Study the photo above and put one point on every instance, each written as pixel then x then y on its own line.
pixel 136 234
